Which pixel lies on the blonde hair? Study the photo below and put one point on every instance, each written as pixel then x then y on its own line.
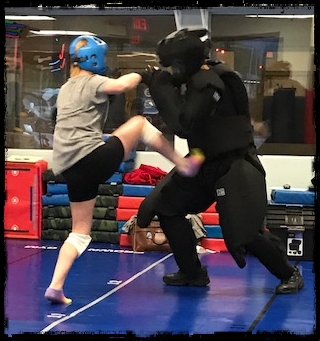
pixel 74 67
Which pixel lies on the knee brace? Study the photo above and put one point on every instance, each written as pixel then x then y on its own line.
pixel 79 241
pixel 149 132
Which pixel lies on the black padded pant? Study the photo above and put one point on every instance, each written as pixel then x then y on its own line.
pixel 183 243
pixel 268 248
pixel 238 187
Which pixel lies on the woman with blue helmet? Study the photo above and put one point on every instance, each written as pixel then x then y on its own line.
pixel 82 154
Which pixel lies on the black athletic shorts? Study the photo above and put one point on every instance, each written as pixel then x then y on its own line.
pixel 84 177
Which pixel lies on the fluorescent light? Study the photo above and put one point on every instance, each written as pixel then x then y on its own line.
pixel 137 54
pixel 283 16
pixel 28 17
pixel 62 33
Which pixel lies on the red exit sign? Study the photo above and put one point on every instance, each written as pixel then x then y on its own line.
pixel 139 24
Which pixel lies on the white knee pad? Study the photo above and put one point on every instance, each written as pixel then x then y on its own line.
pixel 79 241
pixel 149 133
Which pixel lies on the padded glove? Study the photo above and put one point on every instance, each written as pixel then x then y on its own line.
pixel 147 74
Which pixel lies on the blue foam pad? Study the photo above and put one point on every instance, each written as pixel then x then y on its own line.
pixel 61 188
pixel 292 196
pixel 57 188
pixel 213 231
pixel 56 200
pixel 120 225
pixel 136 190
pixel 115 178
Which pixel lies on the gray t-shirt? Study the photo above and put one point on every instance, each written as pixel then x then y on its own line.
pixel 82 109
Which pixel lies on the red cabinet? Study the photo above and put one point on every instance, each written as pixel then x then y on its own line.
pixel 24 188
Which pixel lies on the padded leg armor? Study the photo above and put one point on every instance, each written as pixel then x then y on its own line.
pixel 271 252
pixel 182 241
pixel 242 204
pixel 147 209
pixel 176 227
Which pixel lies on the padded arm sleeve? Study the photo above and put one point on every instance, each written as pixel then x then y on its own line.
pixel 180 113
pixel 168 101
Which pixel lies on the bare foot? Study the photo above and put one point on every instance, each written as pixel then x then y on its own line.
pixel 192 163
pixel 56 296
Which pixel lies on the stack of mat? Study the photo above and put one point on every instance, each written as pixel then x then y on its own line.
pixel 56 213
pixel 214 239
pixel 128 205
pixel 291 216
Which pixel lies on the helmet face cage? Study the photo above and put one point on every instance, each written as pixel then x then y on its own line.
pixel 187 47
pixel 184 51
pixel 90 57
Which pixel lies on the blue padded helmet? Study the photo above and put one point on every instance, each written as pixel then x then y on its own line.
pixel 90 57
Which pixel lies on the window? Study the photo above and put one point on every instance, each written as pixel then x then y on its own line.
pixel 37 65
pixel 275 57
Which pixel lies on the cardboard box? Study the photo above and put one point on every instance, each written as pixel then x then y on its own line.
pixel 19 140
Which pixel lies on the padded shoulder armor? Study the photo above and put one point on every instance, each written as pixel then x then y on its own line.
pixel 234 83
pixel 220 68
pixel 207 79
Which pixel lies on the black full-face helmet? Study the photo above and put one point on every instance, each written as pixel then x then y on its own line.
pixel 184 51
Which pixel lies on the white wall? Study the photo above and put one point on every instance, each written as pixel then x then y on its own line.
pixel 293 170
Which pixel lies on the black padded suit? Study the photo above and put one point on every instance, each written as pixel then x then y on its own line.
pixel 213 114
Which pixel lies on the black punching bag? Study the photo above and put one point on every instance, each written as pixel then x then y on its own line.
pixel 282 115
